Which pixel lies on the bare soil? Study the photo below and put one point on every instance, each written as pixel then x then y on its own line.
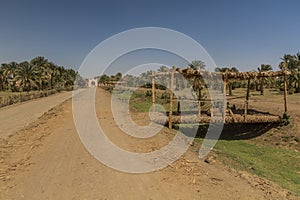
pixel 18 116
pixel 46 160
pixel 287 137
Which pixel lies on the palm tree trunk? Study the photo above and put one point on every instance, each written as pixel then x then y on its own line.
pixel 299 84
pixel 230 88
pixel 262 87
pixel 199 102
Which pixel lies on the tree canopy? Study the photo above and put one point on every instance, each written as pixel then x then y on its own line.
pixel 37 74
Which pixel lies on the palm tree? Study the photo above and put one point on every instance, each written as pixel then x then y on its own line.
pixel 41 76
pixel 39 73
pixel 197 64
pixel 70 78
pixel 65 78
pixel 297 63
pixel 51 72
pixel 263 68
pixel 41 65
pixel 9 72
pixel 229 83
pixel 26 75
pixel 197 83
pixel 145 77
pixel 118 76
pixel 5 80
pixel 104 79
pixel 2 79
pixel 39 61
pixel 55 72
pixel 163 69
pixel 291 64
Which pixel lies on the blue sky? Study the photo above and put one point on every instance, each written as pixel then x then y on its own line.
pixel 235 33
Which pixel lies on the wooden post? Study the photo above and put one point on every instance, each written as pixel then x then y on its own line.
pixel 178 98
pixel 153 91
pixel 232 115
pixel 171 97
pixel 285 88
pixel 247 100
pixel 178 106
pixel 199 101
pixel 224 91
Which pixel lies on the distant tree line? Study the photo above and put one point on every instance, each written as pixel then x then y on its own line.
pixel 37 74
pixel 291 62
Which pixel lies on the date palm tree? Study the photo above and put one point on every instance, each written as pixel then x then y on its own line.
pixel 26 75
pixel 70 78
pixel 54 73
pixel 39 74
pixel 291 64
pixel 197 83
pixel 1 79
pixel 297 63
pixel 39 61
pixel 163 69
pixel 5 80
pixel 41 77
pixel 263 68
pixel 197 64
pixel 65 78
pixel 51 72
pixel 41 67
pixel 229 83
pixel 9 72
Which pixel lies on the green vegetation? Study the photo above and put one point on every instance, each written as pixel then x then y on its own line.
pixel 37 74
pixel 34 79
pixel 231 84
pixel 263 68
pixel 141 100
pixel 292 64
pixel 285 120
pixel 278 165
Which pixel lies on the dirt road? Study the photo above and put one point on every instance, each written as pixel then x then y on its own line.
pixel 15 117
pixel 48 161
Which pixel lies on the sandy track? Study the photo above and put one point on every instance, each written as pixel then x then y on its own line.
pixel 15 117
pixel 48 161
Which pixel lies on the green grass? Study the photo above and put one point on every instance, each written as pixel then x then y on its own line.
pixel 141 102
pixel 278 165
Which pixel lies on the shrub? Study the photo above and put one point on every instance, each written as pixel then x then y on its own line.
pixel 157 86
pixel 291 90
pixel 148 93
pixel 285 120
pixel 165 96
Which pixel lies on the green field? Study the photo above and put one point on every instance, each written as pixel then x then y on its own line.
pixel 278 165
